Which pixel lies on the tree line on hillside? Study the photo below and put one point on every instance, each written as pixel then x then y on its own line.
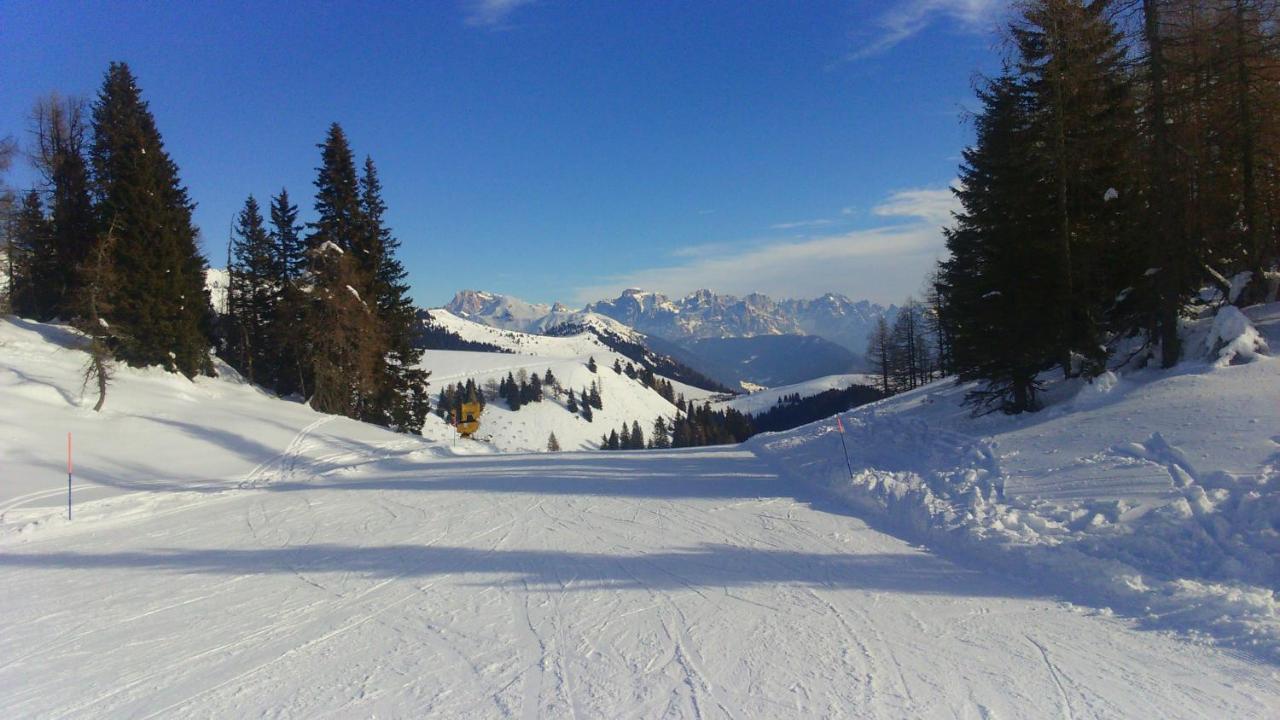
pixel 327 315
pixel 429 335
pixel 107 243
pixel 1127 156
pixel 909 353
pixel 792 411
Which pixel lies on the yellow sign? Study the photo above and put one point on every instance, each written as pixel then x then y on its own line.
pixel 469 419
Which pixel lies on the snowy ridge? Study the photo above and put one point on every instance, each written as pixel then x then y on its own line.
pixel 699 315
pixel 1154 493
pixel 762 400
pixel 625 399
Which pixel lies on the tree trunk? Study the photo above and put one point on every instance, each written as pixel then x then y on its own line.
pixel 1166 246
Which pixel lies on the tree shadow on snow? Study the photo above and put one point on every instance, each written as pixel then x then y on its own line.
pixel 650 474
pixel 695 568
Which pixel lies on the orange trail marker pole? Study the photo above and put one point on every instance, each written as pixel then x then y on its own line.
pixel 840 427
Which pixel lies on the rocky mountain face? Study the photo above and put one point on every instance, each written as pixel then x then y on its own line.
pixel 508 313
pixel 710 328
pixel 704 314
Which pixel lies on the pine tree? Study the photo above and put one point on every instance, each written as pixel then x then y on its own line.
pixel 624 438
pixel 61 136
pixel 660 439
pixel 401 402
pixel 614 442
pixel 159 304
pixel 572 404
pixel 293 372
pixel 254 302
pixel 339 214
pixel 32 260
pixel 344 334
pixel 553 445
pixel 591 363
pixel 637 436
pixel 587 413
pixel 1072 65
pixel 996 275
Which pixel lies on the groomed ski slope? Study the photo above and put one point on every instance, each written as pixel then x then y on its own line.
pixel 234 555
pixel 661 584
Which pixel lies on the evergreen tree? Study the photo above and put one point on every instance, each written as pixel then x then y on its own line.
pixel 401 402
pixel 614 442
pixel 253 304
pixel 61 136
pixel 339 214
pixel 32 260
pixel 996 275
pixel 344 335
pixel 637 436
pixel 660 439
pixel 572 404
pixel 286 237
pixel 159 304
pixel 553 445
pixel 292 369
pixel 591 363
pixel 624 438
pixel 1081 128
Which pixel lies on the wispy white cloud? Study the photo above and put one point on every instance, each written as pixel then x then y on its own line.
pixel 908 17
pixel 883 264
pixel 491 13
pixel 931 205
pixel 801 224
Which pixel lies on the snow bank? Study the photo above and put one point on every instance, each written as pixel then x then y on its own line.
pixel 1157 494
pixel 1233 339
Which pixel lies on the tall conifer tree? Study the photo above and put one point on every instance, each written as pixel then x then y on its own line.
pixel 160 302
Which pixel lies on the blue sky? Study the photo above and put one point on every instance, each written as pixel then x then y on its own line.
pixel 560 150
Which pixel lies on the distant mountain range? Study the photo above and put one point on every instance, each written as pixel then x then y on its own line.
pixel 697 316
pixel 752 340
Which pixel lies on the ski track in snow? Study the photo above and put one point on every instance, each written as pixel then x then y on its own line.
pixel 659 584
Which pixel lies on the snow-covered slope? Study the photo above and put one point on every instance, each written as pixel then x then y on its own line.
pixel 1153 492
pixel 762 400
pixel 158 432
pixel 624 399
pixel 256 558
pixel 264 560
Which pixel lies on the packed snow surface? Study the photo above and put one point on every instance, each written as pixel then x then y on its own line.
pixel 245 556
